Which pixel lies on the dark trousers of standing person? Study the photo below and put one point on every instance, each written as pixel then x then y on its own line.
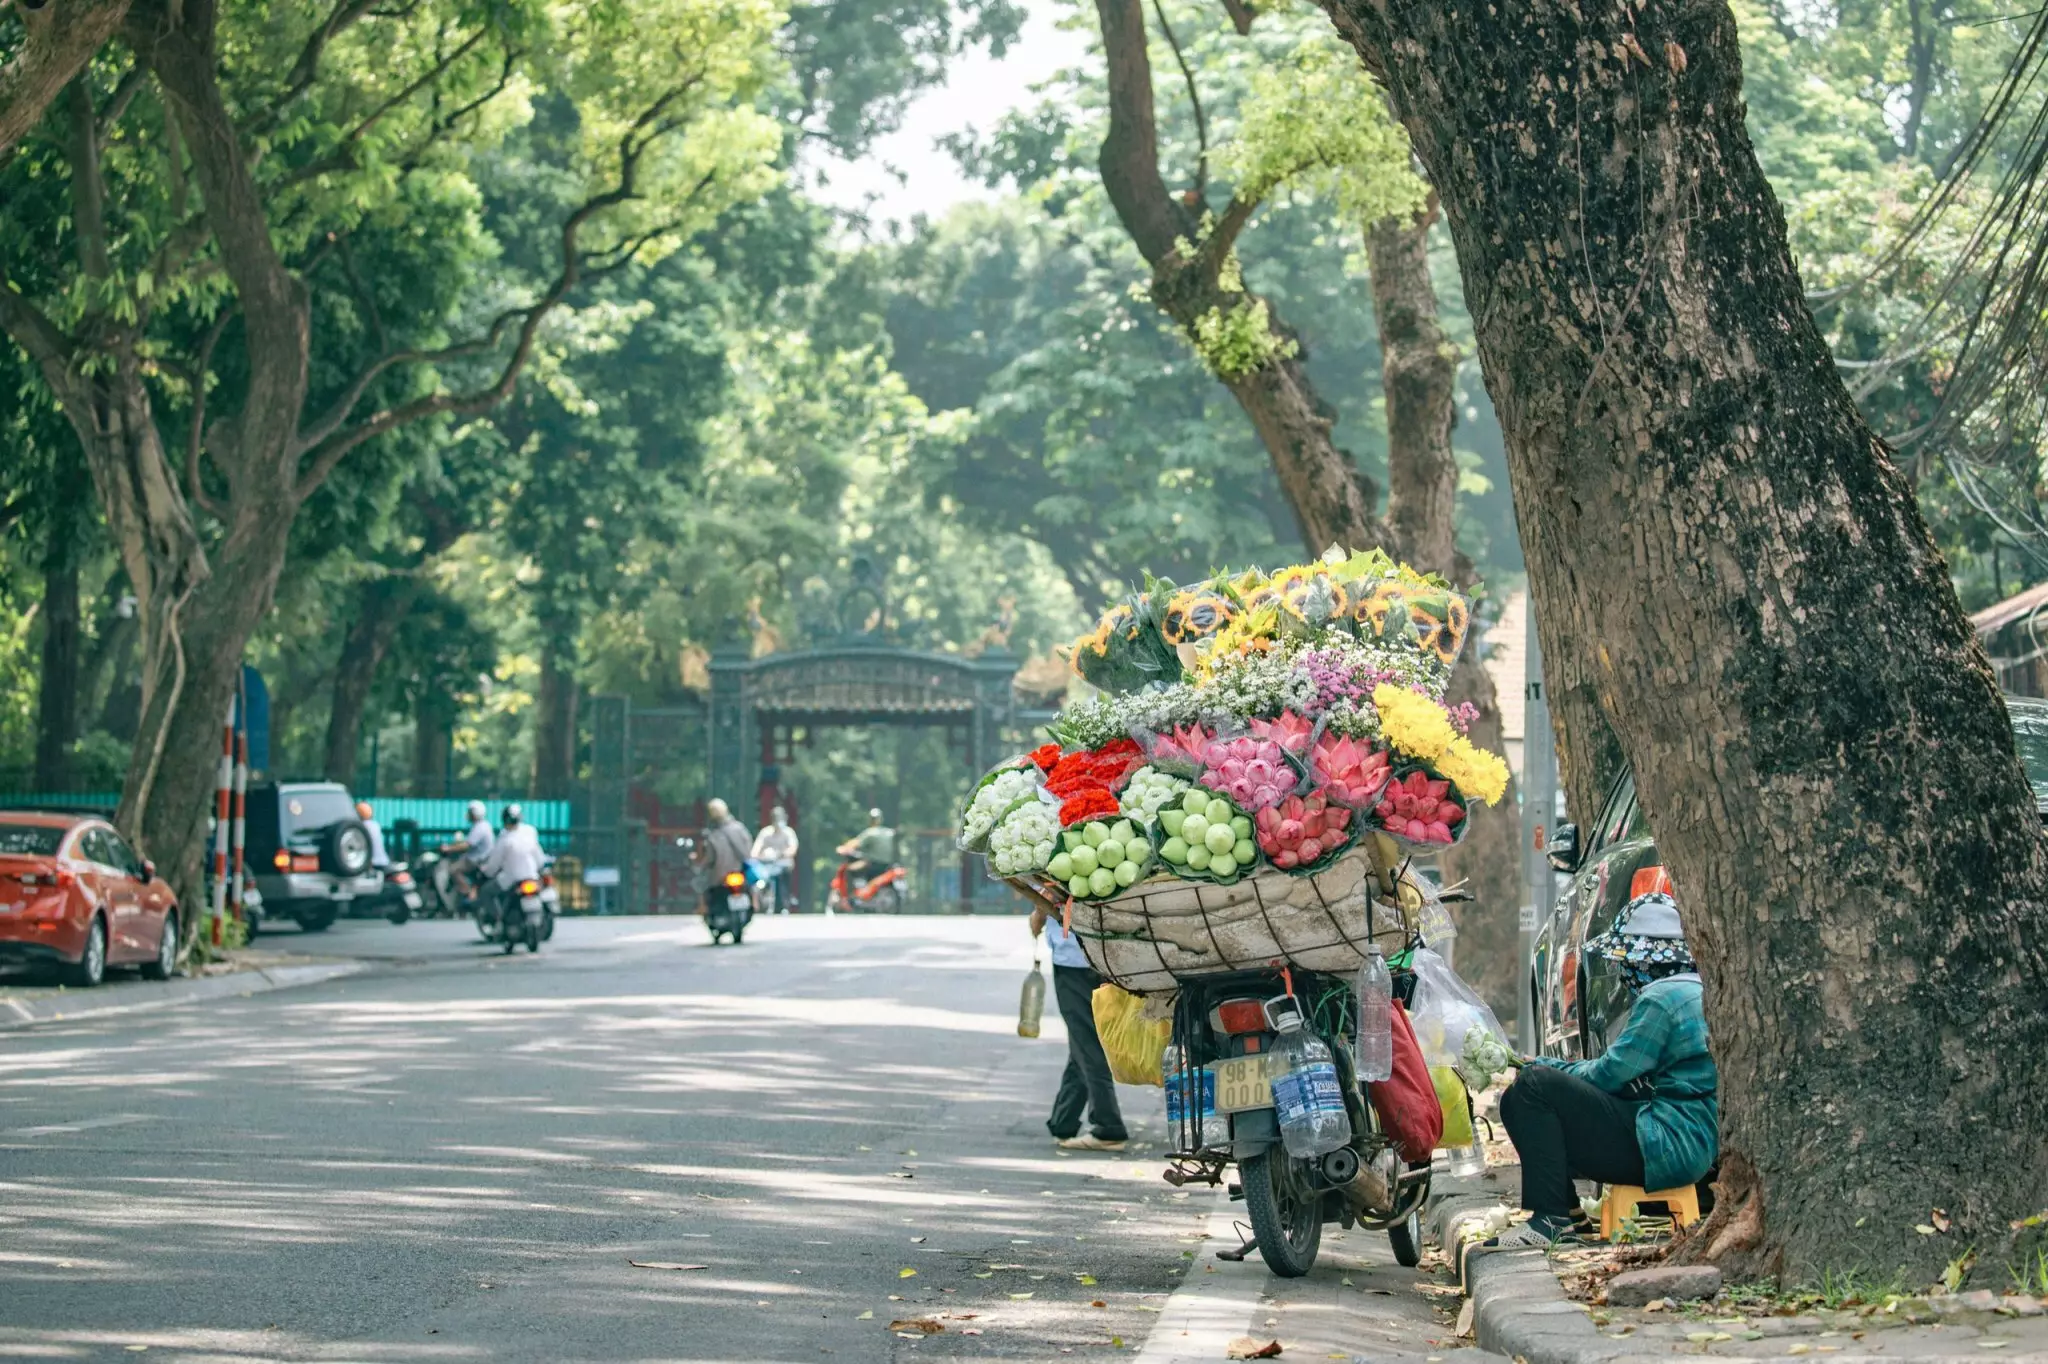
pixel 1087 1082
pixel 1565 1128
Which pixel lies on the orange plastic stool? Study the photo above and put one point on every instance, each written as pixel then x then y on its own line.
pixel 1619 1204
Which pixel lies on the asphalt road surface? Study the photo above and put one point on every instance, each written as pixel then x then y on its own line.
pixel 459 1156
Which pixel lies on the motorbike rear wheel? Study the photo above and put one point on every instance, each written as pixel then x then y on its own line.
pixel 1406 1238
pixel 1286 1211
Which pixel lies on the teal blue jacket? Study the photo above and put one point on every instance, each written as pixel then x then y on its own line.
pixel 1665 1043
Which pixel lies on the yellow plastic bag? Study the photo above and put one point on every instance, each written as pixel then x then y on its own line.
pixel 1132 1043
pixel 1457 1106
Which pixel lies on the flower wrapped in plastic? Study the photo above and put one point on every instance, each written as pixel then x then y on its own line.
pixel 1093 802
pixel 1421 809
pixel 1252 771
pixel 1106 767
pixel 1025 839
pixel 1349 771
pixel 1149 791
pixel 1125 650
pixel 1101 858
pixel 997 793
pixel 1206 838
pixel 1304 834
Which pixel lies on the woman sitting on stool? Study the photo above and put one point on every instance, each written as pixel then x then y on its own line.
pixel 1643 1112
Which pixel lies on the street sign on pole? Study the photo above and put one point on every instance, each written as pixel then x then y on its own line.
pixel 1539 808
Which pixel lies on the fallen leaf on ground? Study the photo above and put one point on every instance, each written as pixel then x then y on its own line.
pixel 1244 1347
pixel 1019 1297
pixel 925 1325
pixel 1098 1303
pixel 901 1174
pixel 1465 1316
pixel 917 1240
pixel 1940 1219
pixel 662 1264
pixel 971 1331
pixel 906 1273
pixel 868 1315
pixel 1086 1279
pixel 989 1275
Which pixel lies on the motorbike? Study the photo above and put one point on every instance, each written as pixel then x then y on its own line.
pixel 442 895
pixel 1225 1053
pixel 400 897
pixel 523 914
pixel 731 905
pixel 884 889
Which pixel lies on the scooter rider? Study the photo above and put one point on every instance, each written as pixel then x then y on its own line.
pixel 726 842
pixel 873 850
pixel 775 849
pixel 470 850
pixel 515 855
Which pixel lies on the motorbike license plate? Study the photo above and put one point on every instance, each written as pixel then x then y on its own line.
pixel 529 904
pixel 738 900
pixel 1177 1086
pixel 1246 1082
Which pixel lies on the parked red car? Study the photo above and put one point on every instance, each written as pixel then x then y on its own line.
pixel 76 897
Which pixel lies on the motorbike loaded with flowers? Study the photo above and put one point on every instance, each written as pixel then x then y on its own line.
pixel 1228 826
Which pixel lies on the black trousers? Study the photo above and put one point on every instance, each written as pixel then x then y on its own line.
pixel 1565 1128
pixel 1087 1083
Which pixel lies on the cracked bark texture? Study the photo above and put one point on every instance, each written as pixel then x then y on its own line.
pixel 57 41
pixel 1738 576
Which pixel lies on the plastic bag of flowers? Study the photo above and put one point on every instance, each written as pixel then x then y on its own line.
pixel 1026 837
pixel 1421 809
pixel 1101 857
pixel 1125 650
pixel 1206 837
pixel 1000 791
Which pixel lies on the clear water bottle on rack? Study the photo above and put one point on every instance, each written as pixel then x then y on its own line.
pixel 1308 1098
pixel 1375 1018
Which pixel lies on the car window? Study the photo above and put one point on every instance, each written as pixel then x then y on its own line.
pixel 29 840
pixel 2030 736
pixel 92 846
pixel 1615 817
pixel 119 854
pixel 316 808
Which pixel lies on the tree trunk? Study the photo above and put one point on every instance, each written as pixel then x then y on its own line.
pixel 1419 373
pixel 431 725
pixel 1745 584
pixel 554 726
pixel 61 38
pixel 381 604
pixel 57 707
pixel 1332 500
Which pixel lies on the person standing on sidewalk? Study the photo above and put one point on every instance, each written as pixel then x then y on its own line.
pixel 1645 1111
pixel 1086 1084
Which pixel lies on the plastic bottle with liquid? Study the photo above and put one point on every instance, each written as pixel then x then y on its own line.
pixel 1375 990
pixel 1031 1004
pixel 1308 1098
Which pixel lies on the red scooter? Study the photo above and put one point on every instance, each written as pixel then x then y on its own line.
pixel 857 885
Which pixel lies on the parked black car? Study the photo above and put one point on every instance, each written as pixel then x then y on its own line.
pixel 308 853
pixel 1580 1005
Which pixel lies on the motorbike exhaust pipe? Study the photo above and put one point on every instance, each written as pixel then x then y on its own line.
pixel 1368 1185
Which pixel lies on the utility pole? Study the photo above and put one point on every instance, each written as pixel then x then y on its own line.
pixel 1539 807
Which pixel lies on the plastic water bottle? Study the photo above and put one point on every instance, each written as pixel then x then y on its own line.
pixel 1375 1018
pixel 1308 1097
pixel 1031 1004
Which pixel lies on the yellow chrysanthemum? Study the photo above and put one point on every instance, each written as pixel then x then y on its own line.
pixel 1414 724
pixel 1479 775
pixel 1252 632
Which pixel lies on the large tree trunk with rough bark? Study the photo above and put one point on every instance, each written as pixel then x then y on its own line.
pixel 1419 375
pixel 554 725
pixel 381 604
pixel 58 40
pixel 1746 587
pixel 57 696
pixel 1193 284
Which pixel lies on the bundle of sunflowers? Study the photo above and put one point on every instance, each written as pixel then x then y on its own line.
pixel 1259 722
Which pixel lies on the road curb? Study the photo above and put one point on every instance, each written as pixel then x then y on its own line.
pixel 77 1006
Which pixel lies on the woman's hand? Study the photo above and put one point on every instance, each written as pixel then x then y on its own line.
pixel 1037 920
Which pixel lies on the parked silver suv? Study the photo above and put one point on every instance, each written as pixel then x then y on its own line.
pixel 309 853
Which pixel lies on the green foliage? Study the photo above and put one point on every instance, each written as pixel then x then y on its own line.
pixel 1238 341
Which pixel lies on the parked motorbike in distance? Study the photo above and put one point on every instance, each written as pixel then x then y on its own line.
pixel 1229 1045
pixel 883 891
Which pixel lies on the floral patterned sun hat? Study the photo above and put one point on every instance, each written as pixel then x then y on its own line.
pixel 1646 933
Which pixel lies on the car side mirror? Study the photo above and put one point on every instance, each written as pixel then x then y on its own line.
pixel 148 871
pixel 1563 850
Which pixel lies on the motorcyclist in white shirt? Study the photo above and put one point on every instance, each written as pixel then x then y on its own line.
pixel 515 854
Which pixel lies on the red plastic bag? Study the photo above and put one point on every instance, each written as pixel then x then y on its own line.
pixel 1406 1102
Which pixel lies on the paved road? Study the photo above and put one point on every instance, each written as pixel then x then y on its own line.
pixel 457 1155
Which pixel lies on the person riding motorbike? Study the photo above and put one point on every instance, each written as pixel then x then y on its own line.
pixel 775 849
pixel 379 857
pixel 726 845
pixel 468 852
pixel 873 850
pixel 515 856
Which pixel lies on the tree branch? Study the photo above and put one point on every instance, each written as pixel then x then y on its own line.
pixel 341 156
pixel 130 85
pixel 1216 246
pixel 362 290
pixel 1129 159
pixel 195 434
pixel 88 208
pixel 306 69
pixel 1194 98
pixel 60 39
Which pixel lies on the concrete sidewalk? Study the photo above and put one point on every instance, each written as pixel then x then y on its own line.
pixel 1520 1307
pixel 28 1005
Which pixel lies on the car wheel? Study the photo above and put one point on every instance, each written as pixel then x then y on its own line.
pixel 92 963
pixel 166 964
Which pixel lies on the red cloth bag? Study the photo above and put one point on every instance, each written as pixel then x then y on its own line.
pixel 1406 1102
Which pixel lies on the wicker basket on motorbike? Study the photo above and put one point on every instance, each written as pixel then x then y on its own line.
pixel 1159 931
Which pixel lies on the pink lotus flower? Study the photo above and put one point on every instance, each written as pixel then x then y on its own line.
pixel 1286 729
pixel 1252 772
pixel 1419 809
pixel 1349 772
